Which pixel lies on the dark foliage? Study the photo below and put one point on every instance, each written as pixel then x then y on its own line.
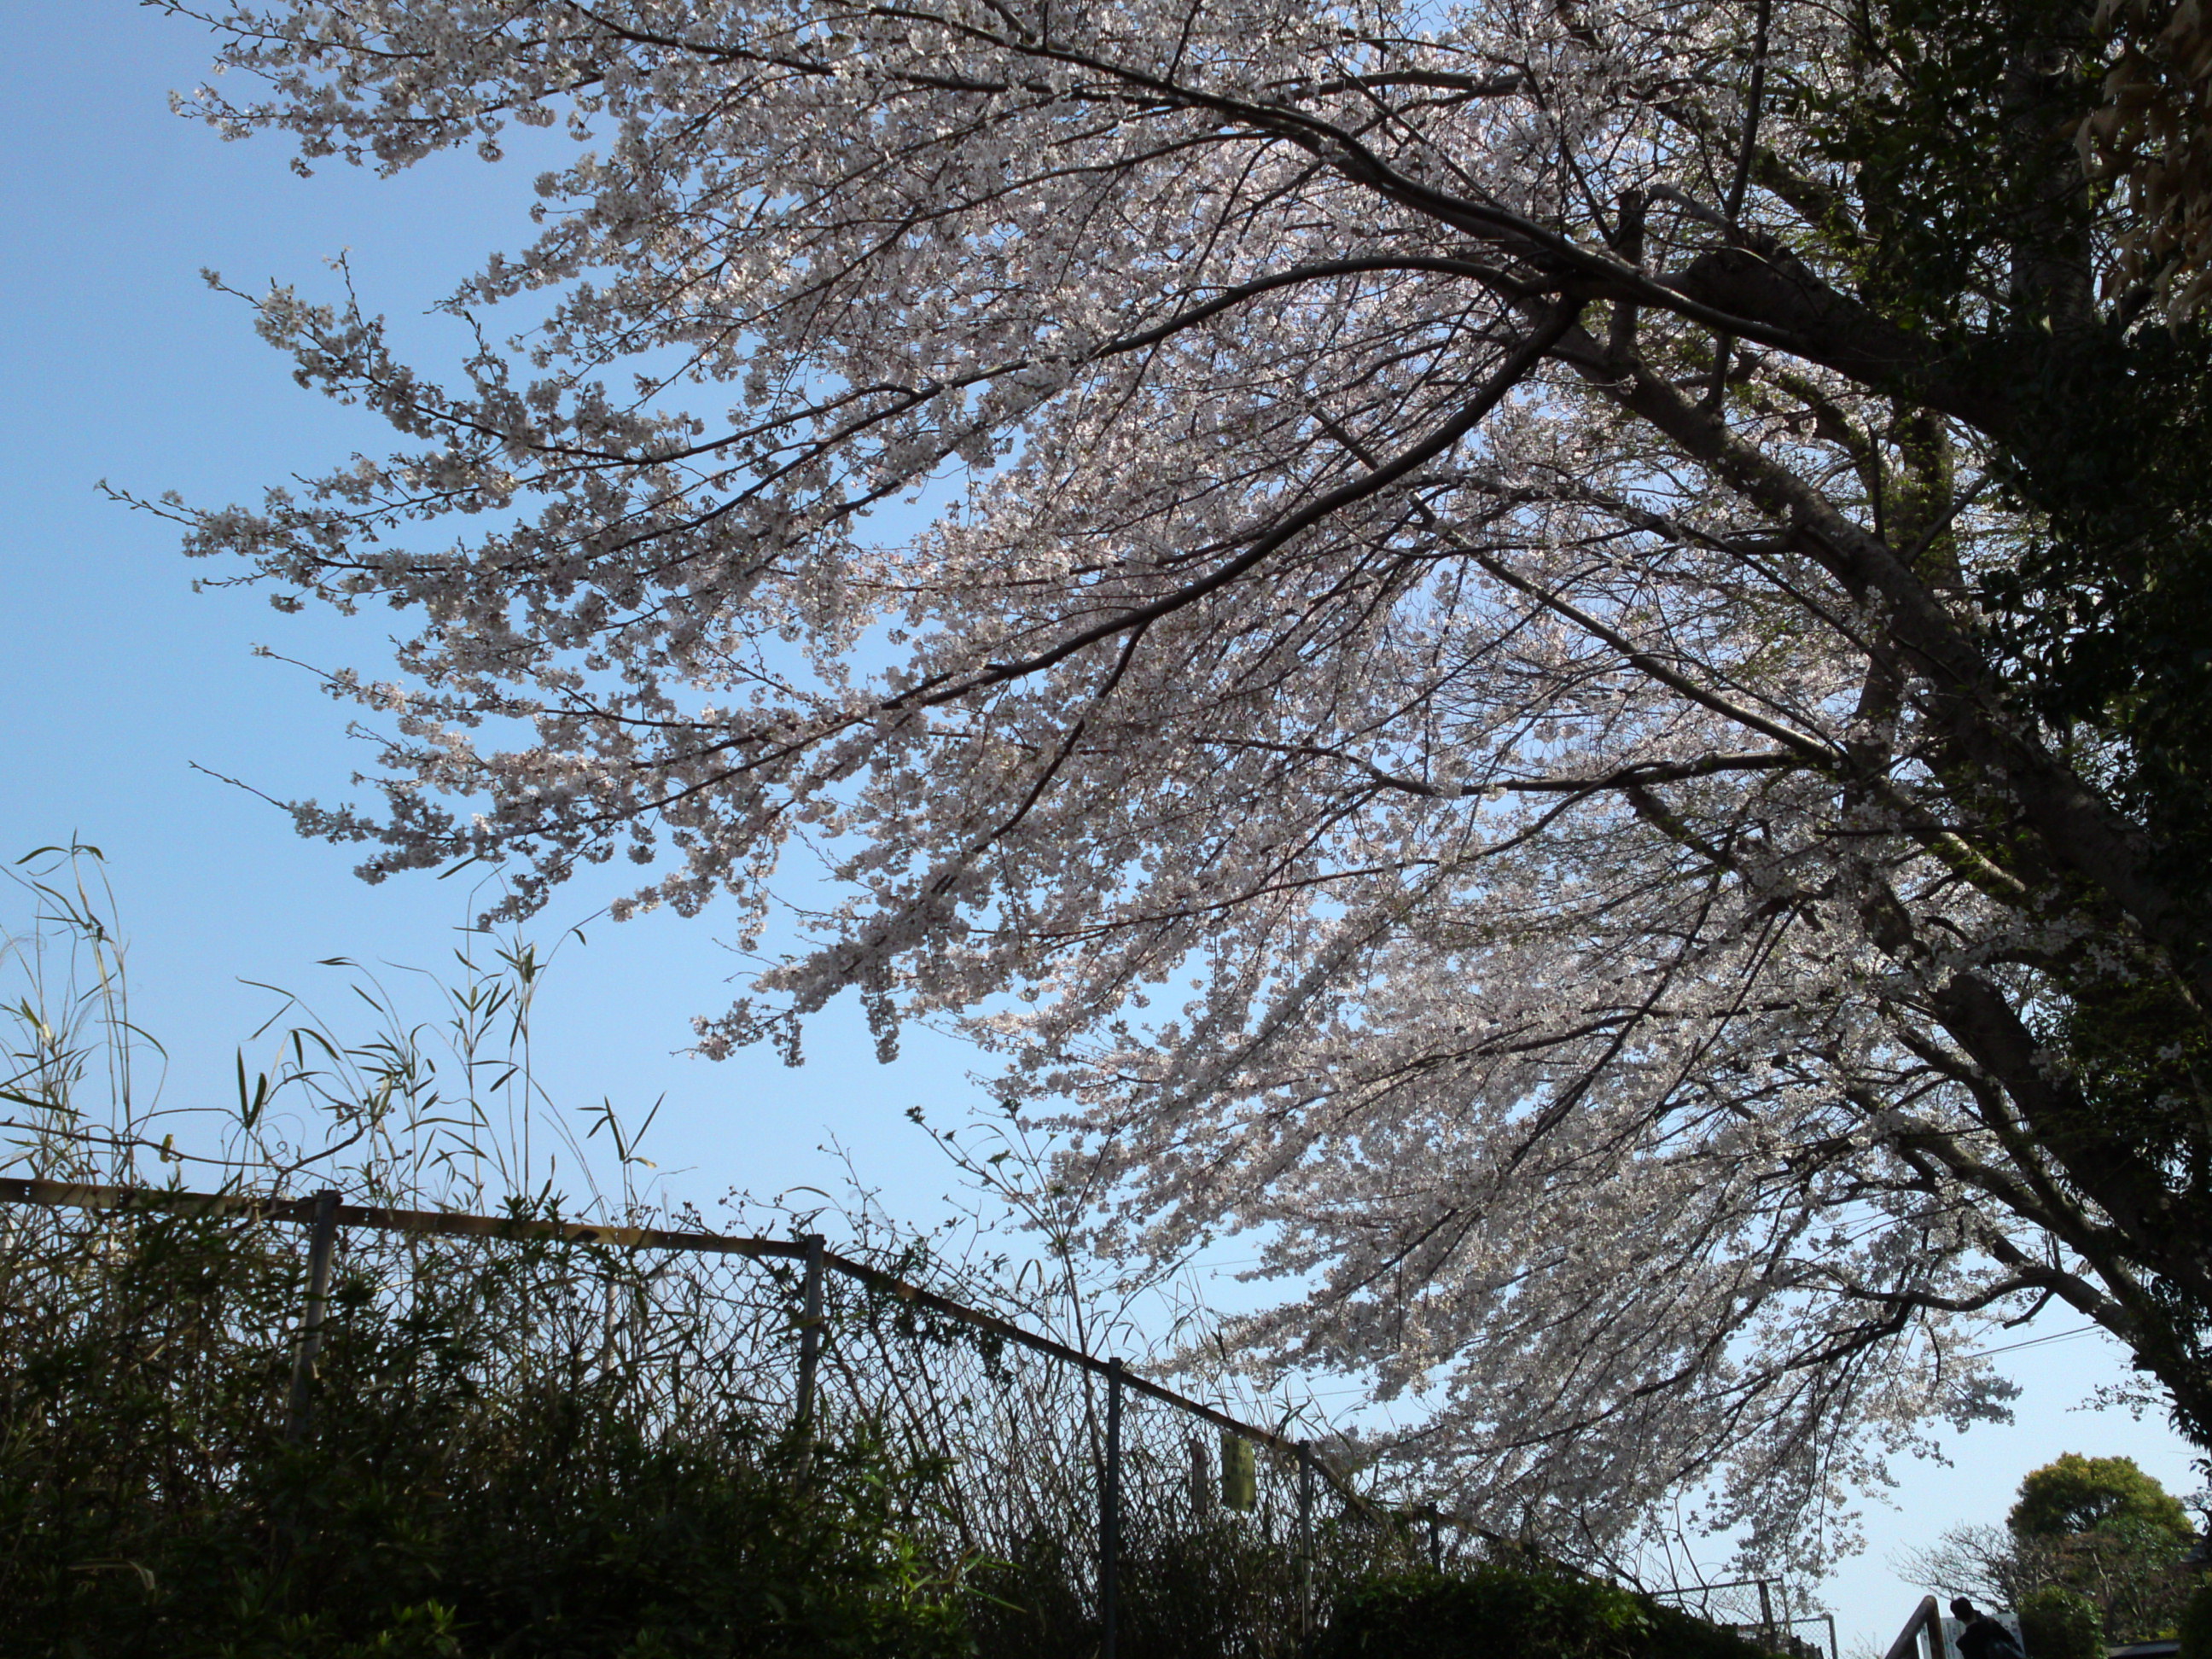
pixel 149 1503
pixel 2196 1628
pixel 504 1459
pixel 1517 1612
pixel 2057 1623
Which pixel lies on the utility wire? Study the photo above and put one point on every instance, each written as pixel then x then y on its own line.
pixel 2033 1342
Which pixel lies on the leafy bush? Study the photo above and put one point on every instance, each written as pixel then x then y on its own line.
pixel 2057 1623
pixel 149 1503
pixel 1193 1586
pixel 2195 1627
pixel 1517 1612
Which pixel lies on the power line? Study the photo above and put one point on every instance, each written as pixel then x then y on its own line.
pixel 2032 1342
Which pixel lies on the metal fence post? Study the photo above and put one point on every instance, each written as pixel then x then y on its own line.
pixel 1305 1544
pixel 1765 1616
pixel 320 1243
pixel 809 1336
pixel 1110 1517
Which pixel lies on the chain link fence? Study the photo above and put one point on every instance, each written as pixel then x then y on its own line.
pixel 1759 1608
pixel 1087 1509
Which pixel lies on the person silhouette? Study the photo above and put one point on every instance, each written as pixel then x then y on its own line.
pixel 1981 1636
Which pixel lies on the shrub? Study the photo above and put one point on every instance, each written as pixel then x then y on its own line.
pixel 1517 1612
pixel 2195 1627
pixel 2057 1623
pixel 457 1496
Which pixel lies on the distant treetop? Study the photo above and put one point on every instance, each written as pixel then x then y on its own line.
pixel 2078 1494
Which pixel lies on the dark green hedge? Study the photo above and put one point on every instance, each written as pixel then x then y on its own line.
pixel 2057 1623
pixel 449 1503
pixel 1501 1612
pixel 2196 1630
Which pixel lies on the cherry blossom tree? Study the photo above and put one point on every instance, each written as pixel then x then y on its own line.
pixel 1495 693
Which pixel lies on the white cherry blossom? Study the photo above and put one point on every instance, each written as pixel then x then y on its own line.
pixel 1399 753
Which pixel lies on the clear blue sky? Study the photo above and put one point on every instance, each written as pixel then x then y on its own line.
pixel 117 362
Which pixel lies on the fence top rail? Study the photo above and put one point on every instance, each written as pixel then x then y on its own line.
pixel 1699 1589
pixel 68 1195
